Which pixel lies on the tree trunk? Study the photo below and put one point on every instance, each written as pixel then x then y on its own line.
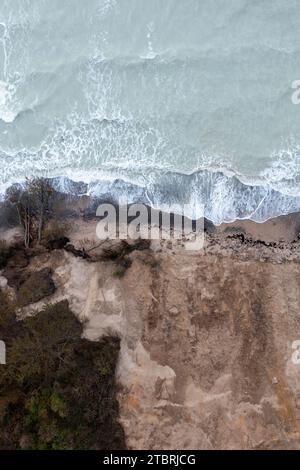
pixel 27 228
pixel 40 226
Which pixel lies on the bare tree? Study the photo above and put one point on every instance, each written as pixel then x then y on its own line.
pixel 16 196
pixel 39 192
pixel 32 202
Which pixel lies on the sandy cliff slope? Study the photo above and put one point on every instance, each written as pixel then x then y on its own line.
pixel 206 339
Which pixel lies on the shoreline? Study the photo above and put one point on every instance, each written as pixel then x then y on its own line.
pixel 215 194
pixel 77 204
pixel 283 229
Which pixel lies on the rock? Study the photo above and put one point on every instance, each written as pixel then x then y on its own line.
pixel 3 282
pixel 174 311
pixel 161 389
pixel 25 441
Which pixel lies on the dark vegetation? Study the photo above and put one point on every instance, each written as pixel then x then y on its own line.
pixel 57 390
pixel 34 287
pixel 119 253
pixel 4 253
pixel 250 242
pixel 39 209
pixel 30 286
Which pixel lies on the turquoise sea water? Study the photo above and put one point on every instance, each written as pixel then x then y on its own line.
pixel 168 101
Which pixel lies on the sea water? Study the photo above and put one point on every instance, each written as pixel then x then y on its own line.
pixel 163 101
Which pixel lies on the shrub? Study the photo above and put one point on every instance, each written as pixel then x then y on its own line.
pixel 119 273
pixel 54 231
pixel 57 389
pixel 4 253
pixel 35 287
pixel 7 310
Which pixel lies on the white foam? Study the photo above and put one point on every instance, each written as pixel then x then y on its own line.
pixel 136 151
pixel 105 6
pixel 6 113
pixel 284 172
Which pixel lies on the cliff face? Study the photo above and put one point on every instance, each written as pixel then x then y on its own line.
pixel 210 361
pixel 206 346
pixel 206 341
